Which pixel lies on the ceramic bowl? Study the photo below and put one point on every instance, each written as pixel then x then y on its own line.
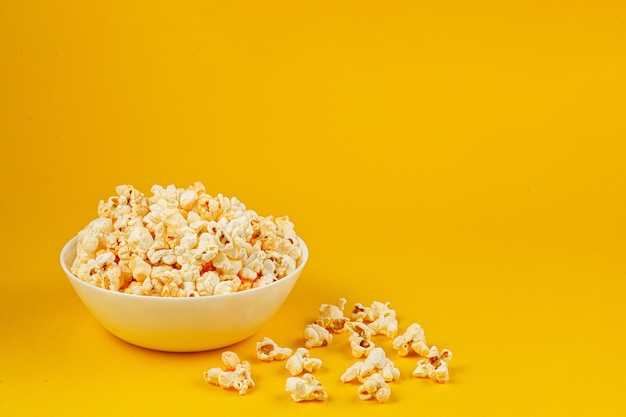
pixel 188 324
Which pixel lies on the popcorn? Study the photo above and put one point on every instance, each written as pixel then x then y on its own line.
pixel 380 318
pixel 236 374
pixel 102 269
pixel 231 360
pixel 268 350
pixel 374 373
pixel 140 269
pixel 93 237
pixel 206 283
pixel 369 314
pixel 167 243
pixel 301 361
pixel 374 386
pixel 375 362
pixel 331 316
pixel 360 339
pixel 385 321
pixel 305 388
pixel 227 285
pixel 413 339
pixel 140 238
pixel 316 336
pixel 435 366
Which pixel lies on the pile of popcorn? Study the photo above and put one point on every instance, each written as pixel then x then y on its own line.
pixel 373 374
pixel 183 243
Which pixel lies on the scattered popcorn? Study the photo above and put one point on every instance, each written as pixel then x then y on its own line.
pixel 316 336
pixel 374 373
pixel 413 339
pixel 360 339
pixel 183 243
pixel 305 388
pixel 331 316
pixel 380 318
pixel 435 366
pixel 375 362
pixel 301 361
pixel 236 374
pixel 375 386
pixel 268 350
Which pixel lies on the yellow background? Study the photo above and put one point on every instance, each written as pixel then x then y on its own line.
pixel 463 160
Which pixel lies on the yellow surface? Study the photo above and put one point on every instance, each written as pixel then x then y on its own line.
pixel 463 160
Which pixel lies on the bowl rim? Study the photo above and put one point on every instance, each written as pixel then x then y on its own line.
pixel 71 244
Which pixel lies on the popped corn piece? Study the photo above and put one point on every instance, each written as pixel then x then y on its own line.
pixel 129 202
pixel 440 373
pixel 413 339
pixel 166 274
pixel 360 329
pixel 423 369
pixel 173 219
pixel 164 194
pixel 383 317
pixel 268 350
pixel 189 273
pixel 383 365
pixel 385 322
pixel 189 289
pixel 371 313
pixel 103 272
pixel 285 265
pixel 207 248
pixel 435 366
pixel 134 288
pixel 227 286
pixel 316 336
pixel 227 265
pixel 263 280
pixel 188 241
pixel 206 283
pixel 196 222
pixel 187 199
pixel 374 386
pixel 253 261
pixel 158 256
pixel 147 286
pixel 301 361
pixel 376 361
pixel 212 375
pixel 305 388
pixel 236 374
pixel 248 274
pixel 360 339
pixel 140 269
pixel 91 239
pixel 331 316
pixel 268 272
pixel 140 238
pixel 362 313
pixel 230 360
pixel 355 371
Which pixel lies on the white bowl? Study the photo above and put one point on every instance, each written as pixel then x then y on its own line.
pixel 182 324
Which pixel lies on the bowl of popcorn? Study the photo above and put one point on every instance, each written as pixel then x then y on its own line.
pixel 181 270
